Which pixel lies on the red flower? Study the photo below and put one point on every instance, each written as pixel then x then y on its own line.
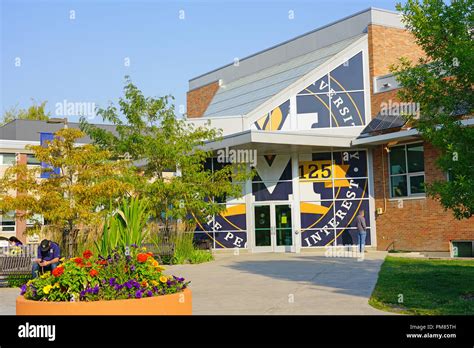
pixel 58 271
pixel 87 254
pixel 141 258
pixel 93 272
pixel 88 264
pixel 78 260
pixel 101 262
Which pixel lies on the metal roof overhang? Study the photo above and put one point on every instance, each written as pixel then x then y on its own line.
pixel 281 142
pixel 403 135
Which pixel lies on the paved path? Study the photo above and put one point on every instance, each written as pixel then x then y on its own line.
pixel 307 283
pixel 7 300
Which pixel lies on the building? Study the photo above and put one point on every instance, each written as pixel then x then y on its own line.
pixel 322 114
pixel 14 137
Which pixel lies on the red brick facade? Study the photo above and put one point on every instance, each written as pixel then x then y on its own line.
pixel 199 99
pixel 419 224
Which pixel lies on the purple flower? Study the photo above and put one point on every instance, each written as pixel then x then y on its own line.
pixel 134 246
pixel 128 285
pixel 23 289
pixel 112 281
pixel 132 268
pixel 138 294
pixel 149 293
pixel 95 290
pixel 82 294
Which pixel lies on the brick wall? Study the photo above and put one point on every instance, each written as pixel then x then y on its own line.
pixel 198 99
pixel 386 46
pixel 419 224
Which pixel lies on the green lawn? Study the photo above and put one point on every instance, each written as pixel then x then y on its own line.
pixel 429 287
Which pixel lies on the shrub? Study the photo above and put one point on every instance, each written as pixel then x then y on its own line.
pixel 89 278
pixel 200 256
pixel 125 227
pixel 17 280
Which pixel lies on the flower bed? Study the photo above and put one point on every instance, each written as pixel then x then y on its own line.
pixel 122 276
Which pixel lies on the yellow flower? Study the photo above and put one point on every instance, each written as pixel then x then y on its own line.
pixel 154 283
pixel 163 279
pixel 29 282
pixel 47 289
pixel 44 275
pixel 144 248
pixel 155 263
pixel 56 285
pixel 62 259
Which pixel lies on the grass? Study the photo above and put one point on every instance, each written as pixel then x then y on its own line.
pixel 428 287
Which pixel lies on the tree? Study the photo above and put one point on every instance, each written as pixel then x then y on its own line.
pixel 149 133
pixel 442 84
pixel 88 180
pixel 34 112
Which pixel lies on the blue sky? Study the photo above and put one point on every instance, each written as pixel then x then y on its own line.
pixel 83 59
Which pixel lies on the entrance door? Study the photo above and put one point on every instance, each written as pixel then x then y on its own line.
pixel 273 227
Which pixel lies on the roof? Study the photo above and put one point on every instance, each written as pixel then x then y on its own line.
pixel 257 78
pixel 323 36
pixel 28 130
pixel 243 95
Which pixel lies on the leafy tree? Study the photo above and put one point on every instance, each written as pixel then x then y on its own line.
pixel 34 112
pixel 442 84
pixel 149 133
pixel 87 182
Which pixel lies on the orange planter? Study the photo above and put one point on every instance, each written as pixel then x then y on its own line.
pixel 174 304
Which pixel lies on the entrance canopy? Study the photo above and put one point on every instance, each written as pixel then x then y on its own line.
pixel 281 142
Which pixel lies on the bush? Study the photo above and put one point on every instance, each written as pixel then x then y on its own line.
pixel 183 247
pixel 17 280
pixel 90 278
pixel 200 256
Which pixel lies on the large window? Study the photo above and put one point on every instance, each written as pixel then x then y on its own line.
pixel 407 170
pixel 7 222
pixel 31 160
pixel 7 158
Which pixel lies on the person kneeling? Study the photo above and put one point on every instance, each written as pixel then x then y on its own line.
pixel 48 257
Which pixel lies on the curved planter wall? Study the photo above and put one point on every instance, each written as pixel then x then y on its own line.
pixel 174 304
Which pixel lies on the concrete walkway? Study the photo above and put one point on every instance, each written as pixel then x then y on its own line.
pixel 307 283
pixel 269 283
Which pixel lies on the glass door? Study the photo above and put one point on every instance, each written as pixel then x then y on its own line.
pixel 273 227
pixel 283 229
pixel 263 228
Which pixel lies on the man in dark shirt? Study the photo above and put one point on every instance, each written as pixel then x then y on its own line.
pixel 362 230
pixel 48 257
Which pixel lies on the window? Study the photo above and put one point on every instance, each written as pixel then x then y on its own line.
pixel 407 170
pixel 31 160
pixel 7 222
pixel 7 158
